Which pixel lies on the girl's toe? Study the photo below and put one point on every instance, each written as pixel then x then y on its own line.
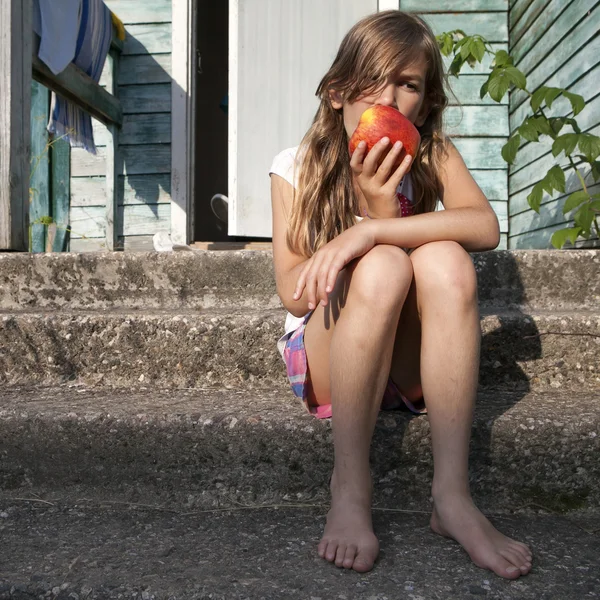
pixel 351 551
pixel 340 555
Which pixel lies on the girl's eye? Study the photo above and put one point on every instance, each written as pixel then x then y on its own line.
pixel 414 87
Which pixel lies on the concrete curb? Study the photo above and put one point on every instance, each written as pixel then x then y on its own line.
pixel 215 348
pixel 245 279
pixel 209 447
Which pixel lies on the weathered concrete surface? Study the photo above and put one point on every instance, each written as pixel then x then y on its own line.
pixel 84 550
pixel 201 280
pixel 198 448
pixel 187 349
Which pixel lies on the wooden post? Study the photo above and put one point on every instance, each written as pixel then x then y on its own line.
pixel 112 164
pixel 15 102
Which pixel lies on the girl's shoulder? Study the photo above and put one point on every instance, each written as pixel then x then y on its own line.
pixel 285 165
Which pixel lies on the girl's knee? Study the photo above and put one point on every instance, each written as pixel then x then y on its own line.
pixel 382 275
pixel 445 268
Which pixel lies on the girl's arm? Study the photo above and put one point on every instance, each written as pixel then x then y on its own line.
pixel 468 219
pixel 288 265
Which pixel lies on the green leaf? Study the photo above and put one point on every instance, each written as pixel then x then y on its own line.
pixel 543 125
pixel 557 123
pixel 538 98
pixel 446 43
pixel 499 84
pixel 590 145
pixel 577 102
pixel 556 178
pixel 574 200
pixel 529 130
pixel 517 77
pixel 502 58
pixel 484 89
pixel 465 48
pixel 456 65
pixel 562 235
pixel 596 170
pixel 478 50
pixel 509 150
pixel 595 204
pixel 584 218
pixel 551 95
pixel 535 197
pixel 566 143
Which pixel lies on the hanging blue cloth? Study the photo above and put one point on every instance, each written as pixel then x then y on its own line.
pixel 93 42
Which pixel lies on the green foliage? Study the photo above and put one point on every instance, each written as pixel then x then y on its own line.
pixel 504 76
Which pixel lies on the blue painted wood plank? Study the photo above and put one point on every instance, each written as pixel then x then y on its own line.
pixel 561 75
pixel 451 6
pixel 554 22
pixel 141 219
pixel 136 189
pixel 152 98
pixel 137 160
pixel 522 16
pixel 39 183
pixel 488 121
pixel 492 26
pixel 135 11
pixel 153 38
pixel 517 8
pixel 518 200
pixel 151 128
pixel 481 153
pixel 467 90
pixel 60 186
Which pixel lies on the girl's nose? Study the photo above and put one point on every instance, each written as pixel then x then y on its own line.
pixel 387 97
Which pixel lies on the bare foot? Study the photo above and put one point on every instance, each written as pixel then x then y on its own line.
pixel 457 517
pixel 349 540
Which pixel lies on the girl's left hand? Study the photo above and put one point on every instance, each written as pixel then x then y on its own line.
pixel 320 273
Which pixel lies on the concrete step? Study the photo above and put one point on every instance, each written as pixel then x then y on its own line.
pixel 198 280
pixel 190 349
pixel 210 447
pixel 85 549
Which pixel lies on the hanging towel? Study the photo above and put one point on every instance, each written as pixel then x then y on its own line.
pixel 57 24
pixel 93 42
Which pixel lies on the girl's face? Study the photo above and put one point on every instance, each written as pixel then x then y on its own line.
pixel 404 91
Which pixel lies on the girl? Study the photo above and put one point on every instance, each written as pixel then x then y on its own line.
pixel 385 306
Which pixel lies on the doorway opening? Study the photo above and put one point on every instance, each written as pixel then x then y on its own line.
pixel 210 136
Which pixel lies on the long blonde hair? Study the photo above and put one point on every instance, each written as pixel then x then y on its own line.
pixel 325 203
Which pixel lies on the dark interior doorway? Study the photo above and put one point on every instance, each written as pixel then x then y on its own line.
pixel 212 35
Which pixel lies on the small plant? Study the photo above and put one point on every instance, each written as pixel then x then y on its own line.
pixel 45 220
pixel 584 206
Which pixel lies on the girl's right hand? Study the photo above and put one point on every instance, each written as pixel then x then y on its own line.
pixel 379 182
pixel 319 275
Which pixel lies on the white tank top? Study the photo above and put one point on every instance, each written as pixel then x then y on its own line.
pixel 286 166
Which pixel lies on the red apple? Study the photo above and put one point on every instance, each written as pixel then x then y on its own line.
pixel 379 121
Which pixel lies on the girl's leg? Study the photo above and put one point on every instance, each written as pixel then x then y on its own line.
pixel 349 347
pixel 445 298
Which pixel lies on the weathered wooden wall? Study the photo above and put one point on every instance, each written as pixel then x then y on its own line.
pixel 479 128
pixel 144 89
pixel 555 43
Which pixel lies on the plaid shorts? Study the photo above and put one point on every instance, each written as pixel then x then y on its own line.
pixel 294 355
